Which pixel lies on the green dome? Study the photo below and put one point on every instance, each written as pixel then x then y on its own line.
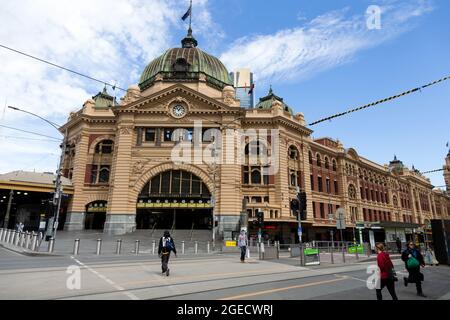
pixel 186 64
pixel 267 101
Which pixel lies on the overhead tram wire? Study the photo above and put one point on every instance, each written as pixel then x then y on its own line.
pixel 30 132
pixel 432 171
pixel 61 67
pixel 25 138
pixel 381 101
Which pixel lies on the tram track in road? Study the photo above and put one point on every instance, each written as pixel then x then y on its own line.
pixel 340 275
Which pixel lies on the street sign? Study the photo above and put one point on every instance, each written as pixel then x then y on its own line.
pixel 340 219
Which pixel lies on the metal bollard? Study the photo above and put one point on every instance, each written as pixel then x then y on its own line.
pixel 76 247
pixel 196 247
pixel 268 243
pixel 1 234
pixel 34 242
pixel 153 247
pixel 6 237
pixel 119 246
pixel 356 253
pixel 17 240
pixel 136 247
pixel 343 254
pixel 51 245
pixel 332 254
pixel 99 247
pixel 208 248
pixel 28 240
pixel 182 247
pixel 13 236
pixel 22 239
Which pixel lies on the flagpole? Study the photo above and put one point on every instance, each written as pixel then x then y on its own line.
pixel 190 18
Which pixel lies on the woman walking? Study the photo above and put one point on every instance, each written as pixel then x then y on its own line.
pixel 413 261
pixel 387 273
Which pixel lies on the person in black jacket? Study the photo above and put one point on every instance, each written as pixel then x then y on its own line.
pixel 166 245
pixel 415 276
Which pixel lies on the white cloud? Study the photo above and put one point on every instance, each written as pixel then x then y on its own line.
pixel 325 42
pixel 109 40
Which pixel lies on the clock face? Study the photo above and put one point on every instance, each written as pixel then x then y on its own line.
pixel 179 111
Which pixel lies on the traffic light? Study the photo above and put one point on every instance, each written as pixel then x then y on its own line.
pixel 302 205
pixel 260 217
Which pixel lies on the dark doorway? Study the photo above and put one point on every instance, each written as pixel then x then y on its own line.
pixel 199 219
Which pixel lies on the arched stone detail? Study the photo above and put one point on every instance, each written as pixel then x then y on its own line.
pixel 150 173
pixel 98 140
pixel 96 197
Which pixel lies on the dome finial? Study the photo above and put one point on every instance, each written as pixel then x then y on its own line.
pixel 270 90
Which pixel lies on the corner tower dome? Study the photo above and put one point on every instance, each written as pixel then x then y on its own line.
pixel 186 64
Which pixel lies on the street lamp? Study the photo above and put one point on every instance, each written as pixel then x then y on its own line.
pixel 58 185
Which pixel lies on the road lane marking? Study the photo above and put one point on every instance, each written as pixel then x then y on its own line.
pixel 253 294
pixel 109 281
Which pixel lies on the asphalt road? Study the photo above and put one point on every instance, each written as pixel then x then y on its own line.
pixel 216 277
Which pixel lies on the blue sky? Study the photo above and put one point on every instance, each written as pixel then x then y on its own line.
pixel 318 55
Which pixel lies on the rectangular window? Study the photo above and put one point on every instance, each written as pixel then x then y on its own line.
pixel 319 184
pixel 322 211
pixel 104 174
pixel 328 186
pixel 168 134
pixel 246 176
pixel 312 183
pixel 150 135
pixel 336 187
pixel 314 210
pixel 330 208
pixel 94 174
pixel 362 193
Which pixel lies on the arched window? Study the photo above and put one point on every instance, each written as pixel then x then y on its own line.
pixel 175 183
pixel 293 153
pixel 334 165
pixel 256 176
pixel 327 163
pixel 104 147
pixel 319 161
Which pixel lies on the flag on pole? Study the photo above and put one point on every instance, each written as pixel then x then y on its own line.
pixel 187 14
pixel 252 87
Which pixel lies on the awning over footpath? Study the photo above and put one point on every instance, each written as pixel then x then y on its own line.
pixel 399 225
pixel 33 182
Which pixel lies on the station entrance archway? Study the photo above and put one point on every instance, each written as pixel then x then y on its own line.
pixel 174 199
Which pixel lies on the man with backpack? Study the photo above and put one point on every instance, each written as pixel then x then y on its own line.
pixel 166 245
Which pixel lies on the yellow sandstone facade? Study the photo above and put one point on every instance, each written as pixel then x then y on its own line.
pixel 121 162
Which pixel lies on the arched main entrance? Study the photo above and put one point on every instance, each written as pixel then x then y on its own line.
pixel 174 199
